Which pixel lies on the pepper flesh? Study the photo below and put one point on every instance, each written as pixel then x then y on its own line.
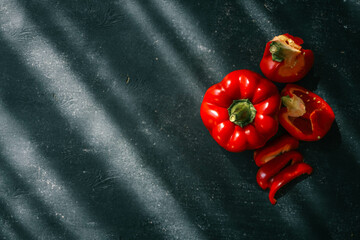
pixel 286 176
pixel 284 59
pixel 266 173
pixel 276 160
pixel 275 147
pixel 253 101
pixel 314 123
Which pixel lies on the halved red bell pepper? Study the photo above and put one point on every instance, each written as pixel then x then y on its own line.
pixel 305 115
pixel 284 59
pixel 264 176
pixel 286 175
pixel 241 111
pixel 275 147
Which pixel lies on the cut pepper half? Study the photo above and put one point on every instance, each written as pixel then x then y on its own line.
pixel 304 114
pixel 285 60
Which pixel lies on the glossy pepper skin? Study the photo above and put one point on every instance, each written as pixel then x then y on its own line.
pixel 284 59
pixel 305 115
pixel 241 111
pixel 264 176
pixel 286 176
pixel 274 148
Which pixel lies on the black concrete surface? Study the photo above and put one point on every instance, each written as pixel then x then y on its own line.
pixel 100 131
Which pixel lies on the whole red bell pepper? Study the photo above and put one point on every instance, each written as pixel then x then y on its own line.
pixel 286 175
pixel 264 176
pixel 241 111
pixel 274 148
pixel 305 115
pixel 284 59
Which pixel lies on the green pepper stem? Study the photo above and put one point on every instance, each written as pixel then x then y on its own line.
pixel 274 48
pixel 276 52
pixel 284 48
pixel 241 112
pixel 295 105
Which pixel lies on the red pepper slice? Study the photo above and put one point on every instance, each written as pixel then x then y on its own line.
pixel 284 59
pixel 305 115
pixel 275 147
pixel 287 175
pixel 266 173
pixel 241 111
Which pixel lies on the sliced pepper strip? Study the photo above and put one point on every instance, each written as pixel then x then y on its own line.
pixel 305 115
pixel 266 173
pixel 286 176
pixel 275 147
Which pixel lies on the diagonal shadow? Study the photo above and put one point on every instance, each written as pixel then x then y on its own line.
pixel 127 121
pixel 17 188
pixel 183 33
pixel 146 153
pixel 81 170
pixel 308 78
pixel 7 217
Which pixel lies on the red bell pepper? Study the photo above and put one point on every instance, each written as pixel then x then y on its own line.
pixel 264 176
pixel 241 111
pixel 284 59
pixel 305 115
pixel 273 148
pixel 287 175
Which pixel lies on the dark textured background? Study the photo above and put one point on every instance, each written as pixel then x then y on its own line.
pixel 100 132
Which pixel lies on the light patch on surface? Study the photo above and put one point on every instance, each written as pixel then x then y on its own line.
pixel 262 21
pixel 99 63
pixel 185 26
pixel 7 232
pixel 99 131
pixel 185 77
pixel 32 167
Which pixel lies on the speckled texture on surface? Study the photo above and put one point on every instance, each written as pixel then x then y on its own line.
pixel 100 131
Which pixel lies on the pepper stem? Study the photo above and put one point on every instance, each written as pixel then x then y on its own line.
pixel 284 48
pixel 241 112
pixel 295 105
